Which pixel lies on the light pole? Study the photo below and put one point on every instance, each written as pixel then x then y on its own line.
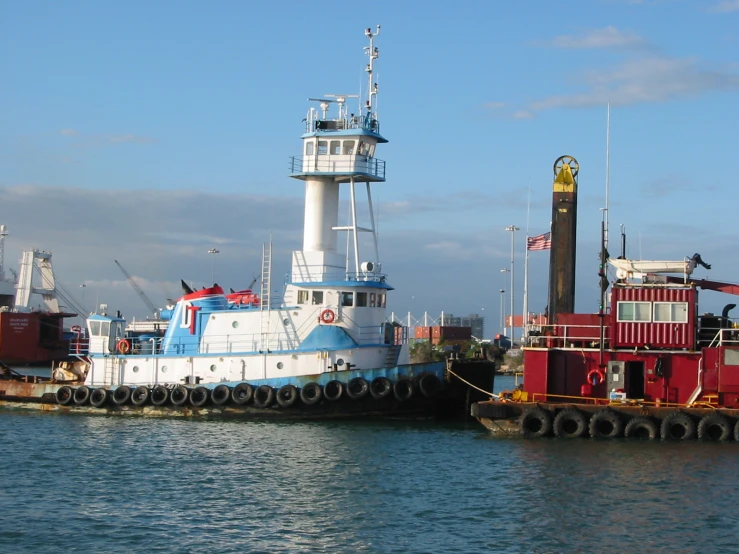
pixel 502 299
pixel 214 251
pixel 502 309
pixel 512 229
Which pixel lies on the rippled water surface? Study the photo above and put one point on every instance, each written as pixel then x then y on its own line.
pixel 118 484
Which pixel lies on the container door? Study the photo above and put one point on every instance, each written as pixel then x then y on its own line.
pixel 634 386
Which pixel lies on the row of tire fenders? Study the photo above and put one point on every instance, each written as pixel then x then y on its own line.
pixel 262 396
pixel 608 424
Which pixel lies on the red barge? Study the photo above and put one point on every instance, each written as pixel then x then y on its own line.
pixel 650 367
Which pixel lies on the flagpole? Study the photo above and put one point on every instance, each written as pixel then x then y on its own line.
pixel 525 315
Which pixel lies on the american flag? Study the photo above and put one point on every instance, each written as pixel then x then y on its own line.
pixel 539 242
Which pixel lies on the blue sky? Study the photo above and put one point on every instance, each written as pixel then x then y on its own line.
pixel 149 132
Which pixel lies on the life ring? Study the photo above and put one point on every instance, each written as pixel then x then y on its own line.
pixel 124 346
pixel 596 377
pixel 328 316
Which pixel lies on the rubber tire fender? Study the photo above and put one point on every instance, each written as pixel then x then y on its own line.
pixel 82 395
pixel 140 395
pixel 736 431
pixel 311 394
pixel 242 394
pixel 122 395
pixel 380 388
pixel 677 426
pixel 570 423
pixel 606 424
pixel 333 390
pixel 641 427
pixel 403 389
pixel 714 427
pixel 221 395
pixel 99 397
pixel 357 388
pixel 536 423
pixel 179 395
pixel 199 396
pixel 264 396
pixel 64 395
pixel 159 395
pixel 429 385
pixel 287 396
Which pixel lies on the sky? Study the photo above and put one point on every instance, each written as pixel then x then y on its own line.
pixel 151 132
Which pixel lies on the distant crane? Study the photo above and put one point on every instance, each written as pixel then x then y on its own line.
pixel 149 304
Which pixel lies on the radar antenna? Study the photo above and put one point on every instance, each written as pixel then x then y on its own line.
pixel 339 99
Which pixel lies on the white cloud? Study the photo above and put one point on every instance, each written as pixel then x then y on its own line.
pixel 645 80
pixel 91 140
pixel 608 37
pixel 522 114
pixel 725 6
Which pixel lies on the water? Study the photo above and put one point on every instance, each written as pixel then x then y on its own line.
pixel 115 484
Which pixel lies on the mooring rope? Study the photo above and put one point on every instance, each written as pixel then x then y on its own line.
pixel 471 385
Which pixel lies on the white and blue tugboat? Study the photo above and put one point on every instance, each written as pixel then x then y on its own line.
pixel 325 348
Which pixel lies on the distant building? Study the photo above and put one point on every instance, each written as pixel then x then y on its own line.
pixel 475 322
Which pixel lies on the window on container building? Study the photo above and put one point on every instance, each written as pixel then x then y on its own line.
pixel 348 147
pixel 635 311
pixel 309 148
pixel 671 312
pixel 303 296
pixel 362 299
pixel 322 147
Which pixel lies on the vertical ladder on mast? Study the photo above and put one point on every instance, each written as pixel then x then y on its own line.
pixel 265 298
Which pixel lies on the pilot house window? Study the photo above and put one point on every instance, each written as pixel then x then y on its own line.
pixel 322 147
pixel 303 296
pixel 308 148
pixel 348 147
pixel 335 147
pixel 347 298
pixel 317 297
pixel 362 299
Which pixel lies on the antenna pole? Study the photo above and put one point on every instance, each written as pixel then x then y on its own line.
pixel 373 54
pixel 608 172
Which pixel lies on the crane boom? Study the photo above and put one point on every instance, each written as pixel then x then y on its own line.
pixel 149 304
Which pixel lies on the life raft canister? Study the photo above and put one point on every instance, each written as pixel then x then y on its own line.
pixel 124 346
pixel 328 316
pixel 596 377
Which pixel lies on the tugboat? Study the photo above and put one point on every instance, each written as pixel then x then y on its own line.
pixel 325 348
pixel 650 368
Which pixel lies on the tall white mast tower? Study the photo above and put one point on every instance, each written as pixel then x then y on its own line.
pixel 338 150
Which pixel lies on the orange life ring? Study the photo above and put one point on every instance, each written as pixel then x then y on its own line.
pixel 328 316
pixel 594 374
pixel 124 346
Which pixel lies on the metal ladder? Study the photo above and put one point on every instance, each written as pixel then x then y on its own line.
pixel 265 298
pixel 109 367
